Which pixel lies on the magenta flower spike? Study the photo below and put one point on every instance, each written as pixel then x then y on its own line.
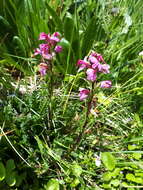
pixel 83 93
pixel 106 84
pixel 92 65
pixel 48 50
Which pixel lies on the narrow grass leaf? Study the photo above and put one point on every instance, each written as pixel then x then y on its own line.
pixel 56 19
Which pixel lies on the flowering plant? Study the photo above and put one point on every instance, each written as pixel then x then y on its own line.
pixel 92 65
pixel 48 50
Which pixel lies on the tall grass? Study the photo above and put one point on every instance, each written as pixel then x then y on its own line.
pixel 109 27
pixel 112 28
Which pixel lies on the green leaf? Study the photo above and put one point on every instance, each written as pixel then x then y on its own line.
pixel 107 176
pixel 103 99
pixel 107 186
pixel 40 145
pixel 76 170
pixel 136 139
pixel 2 171
pixel 116 172
pixel 130 177
pixel 137 155
pixel 88 38
pixel 18 46
pixel 56 18
pixel 71 33
pixel 139 174
pixel 4 25
pixel 138 120
pixel 139 180
pixel 94 31
pixel 124 184
pixel 132 147
pixel 75 183
pixel 53 184
pixel 10 178
pixel 64 43
pixel 108 160
pixel 68 27
pixel 20 178
pixel 115 182
pixel 10 165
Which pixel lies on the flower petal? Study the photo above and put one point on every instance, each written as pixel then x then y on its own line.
pixel 91 74
pixel 83 94
pixel 106 84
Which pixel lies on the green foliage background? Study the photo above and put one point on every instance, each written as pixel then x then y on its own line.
pixel 41 157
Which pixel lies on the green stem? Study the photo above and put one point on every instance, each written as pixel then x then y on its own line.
pixel 50 87
pixel 89 104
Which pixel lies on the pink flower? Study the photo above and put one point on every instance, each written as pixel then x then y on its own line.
pixel 106 84
pixel 83 93
pixel 43 36
pixel 44 51
pixel 105 68
pixel 91 74
pixel 58 49
pixel 98 56
pixel 83 64
pixel 56 34
pixel 37 51
pixel 43 68
pixel 44 47
pixel 47 56
pixel 93 60
pixel 53 39
pixel 97 66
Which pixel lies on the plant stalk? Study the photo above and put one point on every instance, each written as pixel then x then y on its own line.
pixel 50 88
pixel 89 105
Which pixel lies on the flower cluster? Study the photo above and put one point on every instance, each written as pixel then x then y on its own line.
pixel 93 64
pixel 48 50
